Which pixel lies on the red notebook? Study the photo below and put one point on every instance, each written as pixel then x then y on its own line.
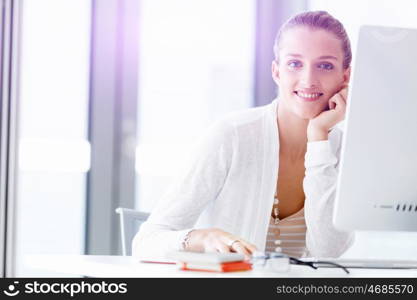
pixel 216 267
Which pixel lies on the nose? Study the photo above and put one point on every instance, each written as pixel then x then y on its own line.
pixel 308 78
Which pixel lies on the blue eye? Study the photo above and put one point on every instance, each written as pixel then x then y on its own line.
pixel 326 66
pixel 294 64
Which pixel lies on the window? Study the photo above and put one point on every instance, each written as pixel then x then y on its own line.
pixel 196 64
pixel 54 154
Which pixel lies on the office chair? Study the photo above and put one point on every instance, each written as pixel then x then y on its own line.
pixel 130 221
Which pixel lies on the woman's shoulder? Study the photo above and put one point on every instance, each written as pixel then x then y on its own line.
pixel 238 127
pixel 247 117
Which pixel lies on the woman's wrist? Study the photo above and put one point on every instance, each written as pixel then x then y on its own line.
pixel 315 134
pixel 192 241
pixel 186 240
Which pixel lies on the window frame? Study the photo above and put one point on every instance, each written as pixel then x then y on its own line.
pixel 112 121
pixel 10 20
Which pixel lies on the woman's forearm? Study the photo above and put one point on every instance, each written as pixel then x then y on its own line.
pixel 315 134
pixel 323 239
pixel 153 242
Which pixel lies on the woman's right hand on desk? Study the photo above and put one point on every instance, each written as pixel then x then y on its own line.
pixel 217 240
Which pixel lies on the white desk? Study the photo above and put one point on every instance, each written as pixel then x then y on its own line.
pixel 126 266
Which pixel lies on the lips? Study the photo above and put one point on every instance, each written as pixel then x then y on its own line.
pixel 308 96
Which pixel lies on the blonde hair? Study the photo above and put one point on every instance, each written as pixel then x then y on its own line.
pixel 317 20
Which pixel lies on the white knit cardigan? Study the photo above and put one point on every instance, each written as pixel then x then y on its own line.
pixel 230 184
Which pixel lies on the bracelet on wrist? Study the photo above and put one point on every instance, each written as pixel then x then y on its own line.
pixel 186 240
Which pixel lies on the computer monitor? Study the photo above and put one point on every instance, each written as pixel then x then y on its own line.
pixel 377 183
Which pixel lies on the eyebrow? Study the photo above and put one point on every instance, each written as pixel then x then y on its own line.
pixel 321 57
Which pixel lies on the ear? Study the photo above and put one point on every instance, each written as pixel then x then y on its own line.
pixel 275 72
pixel 346 76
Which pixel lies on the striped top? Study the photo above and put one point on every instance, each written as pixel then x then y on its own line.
pixel 288 235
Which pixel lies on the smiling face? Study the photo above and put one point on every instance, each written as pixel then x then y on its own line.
pixel 309 70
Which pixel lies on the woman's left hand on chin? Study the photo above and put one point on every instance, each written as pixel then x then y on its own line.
pixel 318 127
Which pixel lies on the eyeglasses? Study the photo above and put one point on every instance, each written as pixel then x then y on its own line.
pixel 280 262
pixel 317 264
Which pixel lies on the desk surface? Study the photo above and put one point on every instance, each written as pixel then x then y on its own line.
pixel 127 266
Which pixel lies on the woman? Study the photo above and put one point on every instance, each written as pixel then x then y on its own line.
pixel 265 178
